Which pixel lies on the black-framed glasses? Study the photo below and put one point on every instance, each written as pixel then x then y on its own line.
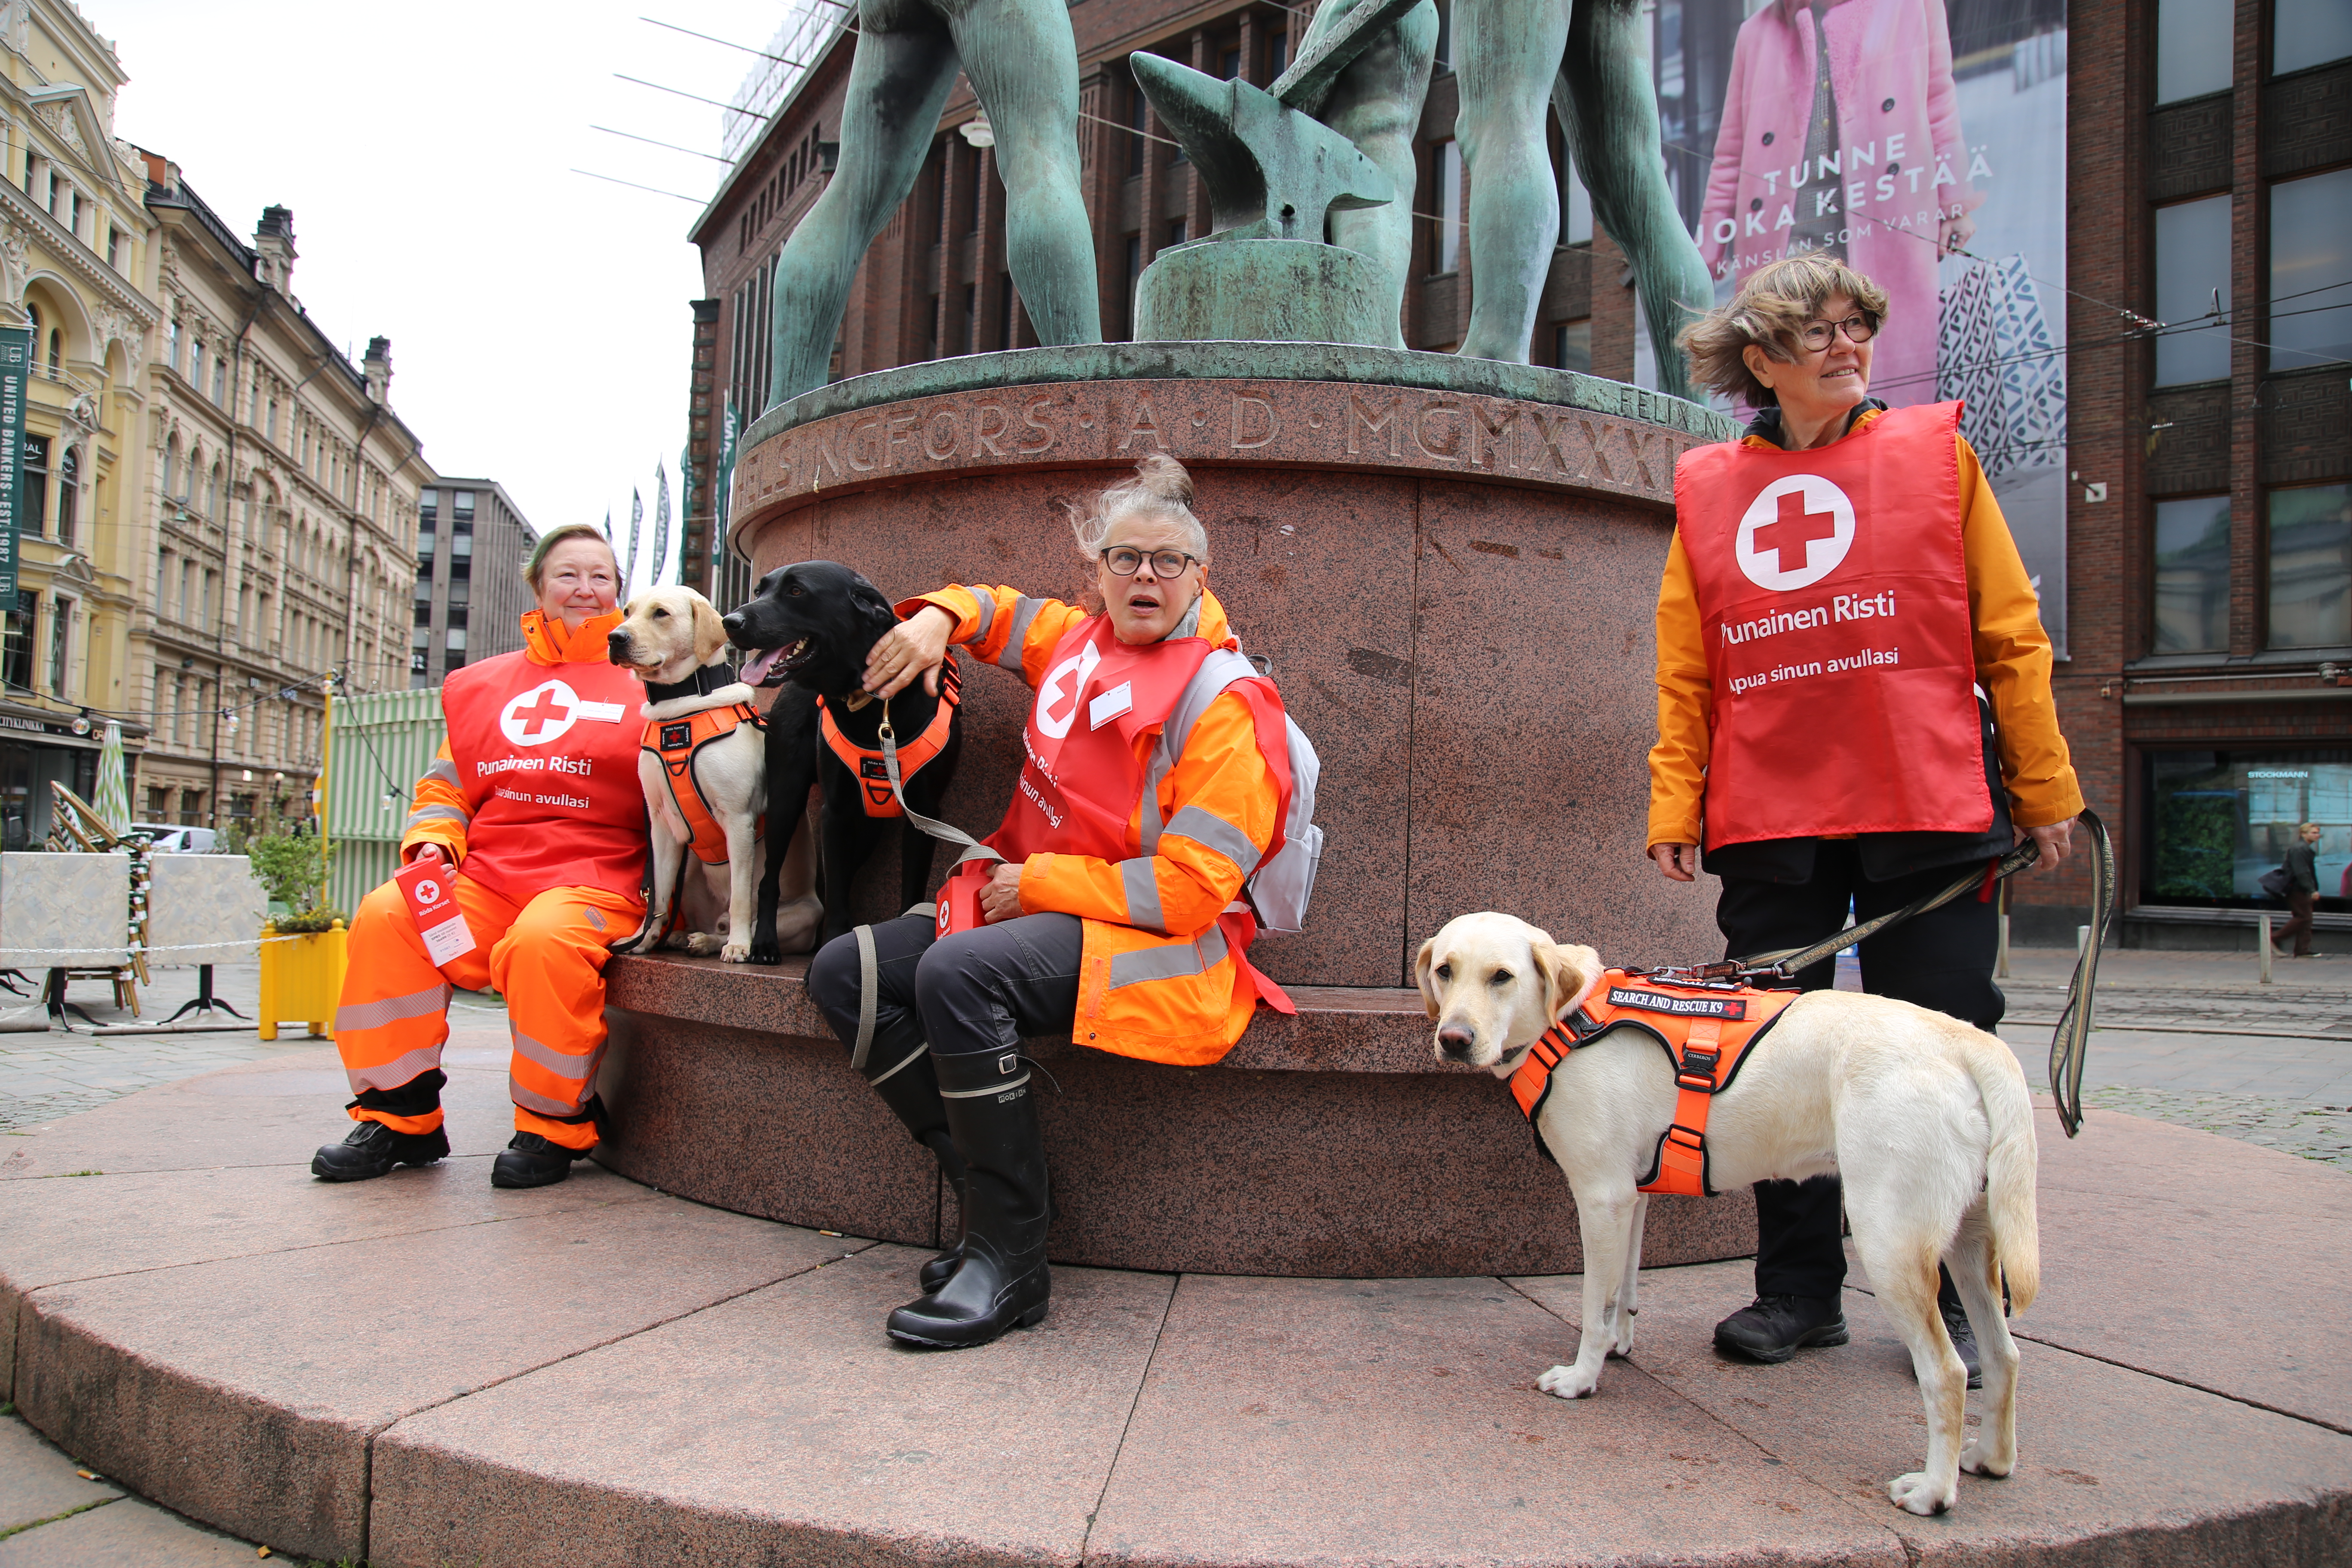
pixel 1818 335
pixel 1125 561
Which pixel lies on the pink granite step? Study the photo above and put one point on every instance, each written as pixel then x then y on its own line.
pixel 420 1371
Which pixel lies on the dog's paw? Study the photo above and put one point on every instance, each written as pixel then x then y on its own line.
pixel 1622 1345
pixel 702 945
pixel 1979 1460
pixel 735 952
pixel 1915 1493
pixel 1569 1382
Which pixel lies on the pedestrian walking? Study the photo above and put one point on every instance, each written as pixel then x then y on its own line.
pixel 2301 867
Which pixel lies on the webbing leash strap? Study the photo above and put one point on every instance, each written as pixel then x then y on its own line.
pixel 869 992
pixel 2070 1042
pixel 973 849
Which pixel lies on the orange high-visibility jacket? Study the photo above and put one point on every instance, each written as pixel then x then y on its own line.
pixel 537 787
pixel 1704 1030
pixel 1221 804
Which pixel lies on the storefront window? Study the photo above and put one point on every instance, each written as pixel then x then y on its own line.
pixel 2311 566
pixel 2192 576
pixel 2220 819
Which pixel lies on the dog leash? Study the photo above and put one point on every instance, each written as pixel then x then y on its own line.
pixel 947 833
pixel 2069 1043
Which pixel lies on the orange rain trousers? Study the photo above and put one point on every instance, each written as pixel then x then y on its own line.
pixel 546 958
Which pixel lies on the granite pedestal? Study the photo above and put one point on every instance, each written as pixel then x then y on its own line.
pixel 1451 565
pixel 423 1371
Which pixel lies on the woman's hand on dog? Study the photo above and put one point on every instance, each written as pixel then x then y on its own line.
pixel 912 648
pixel 1677 862
pixel 1000 899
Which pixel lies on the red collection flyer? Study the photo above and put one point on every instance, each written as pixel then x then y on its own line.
pixel 427 885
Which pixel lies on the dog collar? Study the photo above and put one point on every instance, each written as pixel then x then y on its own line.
pixel 705 681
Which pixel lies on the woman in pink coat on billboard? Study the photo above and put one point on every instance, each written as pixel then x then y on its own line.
pixel 1842 132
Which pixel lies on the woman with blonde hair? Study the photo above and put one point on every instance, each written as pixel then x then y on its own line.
pixel 1156 779
pixel 1853 702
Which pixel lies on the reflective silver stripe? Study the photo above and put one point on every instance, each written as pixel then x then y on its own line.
pixel 394 1073
pixel 984 1093
pixel 1170 962
pixel 530 1099
pixel 434 814
pixel 921 1046
pixel 1217 671
pixel 1208 828
pixel 1142 894
pixel 987 613
pixel 561 1063
pixel 392 1009
pixel 445 770
pixel 1024 610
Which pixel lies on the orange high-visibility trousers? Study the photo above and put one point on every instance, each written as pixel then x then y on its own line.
pixel 546 958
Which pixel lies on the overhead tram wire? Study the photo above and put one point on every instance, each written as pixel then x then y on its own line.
pixel 671 145
pixel 726 43
pixel 697 96
pixel 655 190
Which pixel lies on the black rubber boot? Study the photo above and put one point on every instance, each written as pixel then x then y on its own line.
pixel 1964 1340
pixel 912 1092
pixel 1774 1327
pixel 373 1149
pixel 1004 1282
pixel 530 1161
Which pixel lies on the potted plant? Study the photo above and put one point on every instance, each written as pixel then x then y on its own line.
pixel 303 951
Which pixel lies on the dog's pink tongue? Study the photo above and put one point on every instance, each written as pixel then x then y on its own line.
pixel 761 662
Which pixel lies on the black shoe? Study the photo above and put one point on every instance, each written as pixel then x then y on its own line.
pixel 1964 1340
pixel 1774 1327
pixel 373 1149
pixel 1003 1282
pixel 530 1161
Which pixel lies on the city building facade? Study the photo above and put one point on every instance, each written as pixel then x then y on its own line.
pixel 74 251
pixel 471 543
pixel 275 525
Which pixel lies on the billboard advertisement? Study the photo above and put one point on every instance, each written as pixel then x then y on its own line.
pixel 1925 144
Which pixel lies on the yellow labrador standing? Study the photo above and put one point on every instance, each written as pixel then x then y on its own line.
pixel 1926 1119
pixel 666 635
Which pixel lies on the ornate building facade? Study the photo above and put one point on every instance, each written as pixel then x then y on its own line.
pixel 74 242
pixel 275 524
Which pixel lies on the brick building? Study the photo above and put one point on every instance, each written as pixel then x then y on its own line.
pixel 2210 524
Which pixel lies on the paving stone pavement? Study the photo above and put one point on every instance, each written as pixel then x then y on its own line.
pixel 55 1513
pixel 44 1076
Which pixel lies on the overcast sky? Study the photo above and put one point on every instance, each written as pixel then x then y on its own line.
pixel 538 323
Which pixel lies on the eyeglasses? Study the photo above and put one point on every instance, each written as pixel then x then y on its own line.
pixel 1126 559
pixel 1818 335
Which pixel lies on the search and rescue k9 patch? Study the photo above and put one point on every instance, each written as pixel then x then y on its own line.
pixel 1731 1008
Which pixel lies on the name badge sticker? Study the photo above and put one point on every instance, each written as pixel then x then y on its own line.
pixel 602 712
pixel 1110 705
pixel 434 906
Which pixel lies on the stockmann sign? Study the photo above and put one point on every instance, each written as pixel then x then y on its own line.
pixel 16 364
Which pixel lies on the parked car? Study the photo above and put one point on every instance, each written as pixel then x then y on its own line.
pixel 171 840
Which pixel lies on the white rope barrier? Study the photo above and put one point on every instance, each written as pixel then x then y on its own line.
pixel 9 954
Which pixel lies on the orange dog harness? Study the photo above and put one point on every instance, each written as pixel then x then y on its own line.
pixel 675 742
pixel 1704 1030
pixel 867 767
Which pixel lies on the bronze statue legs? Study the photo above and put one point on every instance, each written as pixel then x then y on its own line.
pixel 1512 55
pixel 1023 62
pixel 1376 104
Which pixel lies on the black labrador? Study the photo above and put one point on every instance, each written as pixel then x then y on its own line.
pixel 809 628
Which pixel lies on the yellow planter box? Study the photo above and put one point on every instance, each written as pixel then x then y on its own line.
pixel 302 979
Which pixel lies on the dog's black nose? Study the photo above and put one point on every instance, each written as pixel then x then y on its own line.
pixel 732 623
pixel 1457 1040
pixel 616 638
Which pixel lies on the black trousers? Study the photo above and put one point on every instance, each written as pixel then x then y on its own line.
pixel 976 991
pixel 1942 960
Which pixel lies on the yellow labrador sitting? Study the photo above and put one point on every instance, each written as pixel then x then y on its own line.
pixel 669 635
pixel 1926 1119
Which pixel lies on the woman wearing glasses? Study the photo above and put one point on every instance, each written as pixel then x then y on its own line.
pixel 1113 915
pixel 1853 702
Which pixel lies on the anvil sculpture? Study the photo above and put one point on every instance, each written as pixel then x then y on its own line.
pixel 1273 175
